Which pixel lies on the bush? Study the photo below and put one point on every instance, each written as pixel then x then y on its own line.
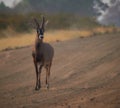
pixel 23 23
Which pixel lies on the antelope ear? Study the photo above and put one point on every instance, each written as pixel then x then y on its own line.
pixel 46 22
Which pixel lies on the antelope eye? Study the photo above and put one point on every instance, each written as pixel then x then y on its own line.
pixel 37 31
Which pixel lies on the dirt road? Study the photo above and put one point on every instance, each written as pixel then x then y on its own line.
pixel 85 74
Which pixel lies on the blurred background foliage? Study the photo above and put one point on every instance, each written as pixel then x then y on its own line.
pixel 24 22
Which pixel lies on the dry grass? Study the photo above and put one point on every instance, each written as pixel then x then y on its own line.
pixel 59 35
pixel 104 30
pixel 19 41
pixel 27 39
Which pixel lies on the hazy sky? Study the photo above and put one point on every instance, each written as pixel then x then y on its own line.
pixel 10 2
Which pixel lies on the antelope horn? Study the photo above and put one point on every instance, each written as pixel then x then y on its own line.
pixel 36 22
pixel 43 23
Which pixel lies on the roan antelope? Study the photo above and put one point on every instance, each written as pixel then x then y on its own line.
pixel 42 54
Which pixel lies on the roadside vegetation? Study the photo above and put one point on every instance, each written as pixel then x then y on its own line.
pixel 19 30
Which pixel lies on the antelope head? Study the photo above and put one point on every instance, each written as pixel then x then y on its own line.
pixel 40 28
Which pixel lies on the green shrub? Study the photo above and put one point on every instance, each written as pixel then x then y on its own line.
pixel 24 23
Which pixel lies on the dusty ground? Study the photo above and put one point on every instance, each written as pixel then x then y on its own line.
pixel 85 74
